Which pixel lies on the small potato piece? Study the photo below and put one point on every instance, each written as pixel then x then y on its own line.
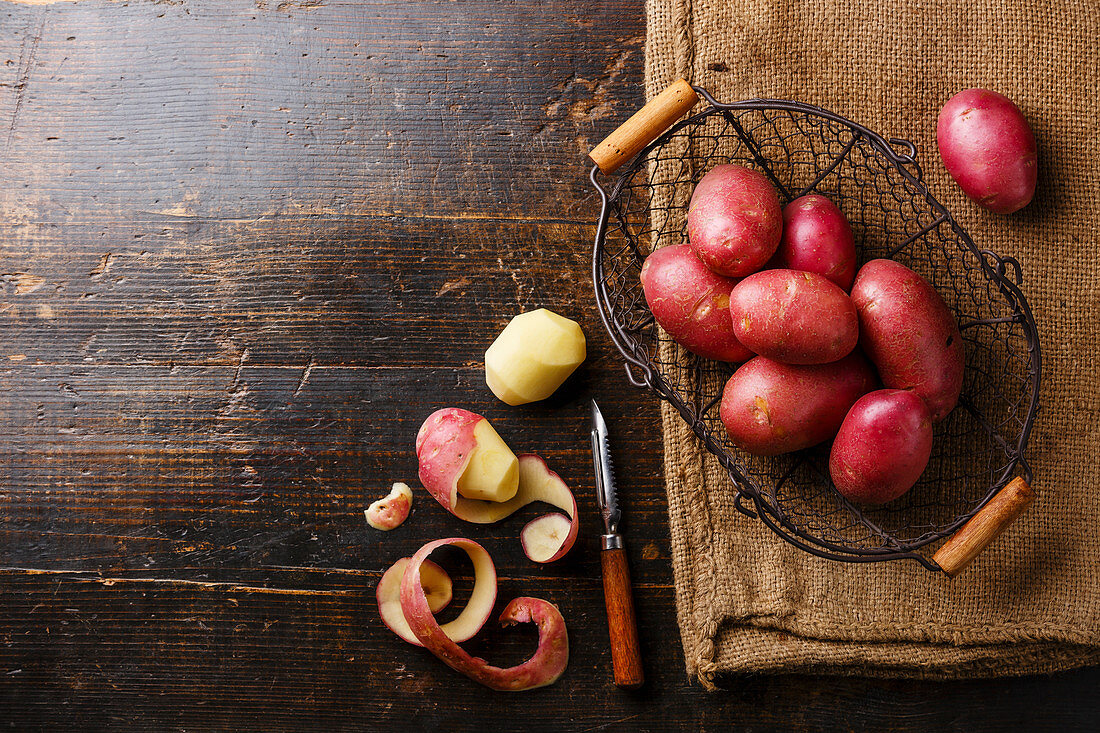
pixel 534 354
pixel 770 408
pixel 817 238
pixel 909 334
pixel 462 456
pixel 794 317
pixel 390 511
pixel 882 447
pixel 989 149
pixel 691 303
pixel 734 220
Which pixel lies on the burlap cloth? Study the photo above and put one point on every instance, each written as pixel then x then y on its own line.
pixel 749 602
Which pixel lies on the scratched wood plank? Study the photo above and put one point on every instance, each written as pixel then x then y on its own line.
pixel 484 107
pixel 244 248
pixel 283 290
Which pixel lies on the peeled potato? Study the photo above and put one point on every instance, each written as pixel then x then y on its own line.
pixel 534 354
pixel 463 460
pixel 493 471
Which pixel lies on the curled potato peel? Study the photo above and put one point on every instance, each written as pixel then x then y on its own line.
pixel 438 589
pixel 544 667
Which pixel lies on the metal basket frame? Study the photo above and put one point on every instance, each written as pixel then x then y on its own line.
pixel 642 373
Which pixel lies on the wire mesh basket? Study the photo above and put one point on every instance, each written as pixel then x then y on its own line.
pixel 977 480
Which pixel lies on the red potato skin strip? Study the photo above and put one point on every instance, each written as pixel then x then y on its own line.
pixel 444 445
pixel 543 668
pixel 385 594
pixel 563 548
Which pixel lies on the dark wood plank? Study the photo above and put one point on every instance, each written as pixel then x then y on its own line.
pixel 236 109
pixel 245 248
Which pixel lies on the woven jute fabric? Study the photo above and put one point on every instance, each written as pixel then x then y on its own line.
pixel 749 602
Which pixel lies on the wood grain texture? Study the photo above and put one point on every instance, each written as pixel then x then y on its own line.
pixel 622 623
pixel 245 248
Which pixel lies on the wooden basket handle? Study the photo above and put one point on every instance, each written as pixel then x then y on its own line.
pixel 643 128
pixel 984 527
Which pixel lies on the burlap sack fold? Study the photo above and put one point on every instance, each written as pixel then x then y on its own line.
pixel 747 601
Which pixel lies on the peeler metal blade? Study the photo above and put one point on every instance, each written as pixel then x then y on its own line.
pixel 605 474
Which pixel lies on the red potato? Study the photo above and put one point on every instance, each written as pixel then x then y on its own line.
pixel 734 220
pixel 463 460
pixel 989 149
pixel 691 303
pixel 882 447
pixel 448 447
pixel 817 238
pixel 770 408
pixel 794 317
pixel 909 333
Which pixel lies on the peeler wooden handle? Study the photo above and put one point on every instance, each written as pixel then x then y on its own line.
pixel 644 126
pixel 626 655
pixel 984 527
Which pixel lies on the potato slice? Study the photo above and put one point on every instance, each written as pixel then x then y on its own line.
pixel 534 354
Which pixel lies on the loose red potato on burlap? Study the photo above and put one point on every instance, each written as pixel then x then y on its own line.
pixel 734 220
pixel 909 334
pixel 882 446
pixel 989 149
pixel 794 317
pixel 817 238
pixel 770 408
pixel 691 303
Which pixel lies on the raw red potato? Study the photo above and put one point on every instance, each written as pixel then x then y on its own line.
pixel 448 447
pixel 794 317
pixel 817 238
pixel 438 589
pixel 909 334
pixel 989 149
pixel 463 459
pixel 770 408
pixel 882 447
pixel 389 512
pixel 543 668
pixel 533 356
pixel 691 303
pixel 734 220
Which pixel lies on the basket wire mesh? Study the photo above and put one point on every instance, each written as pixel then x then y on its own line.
pixel 977 449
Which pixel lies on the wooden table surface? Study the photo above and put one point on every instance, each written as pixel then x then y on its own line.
pixel 246 247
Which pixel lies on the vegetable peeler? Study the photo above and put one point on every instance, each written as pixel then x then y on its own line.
pixel 621 624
